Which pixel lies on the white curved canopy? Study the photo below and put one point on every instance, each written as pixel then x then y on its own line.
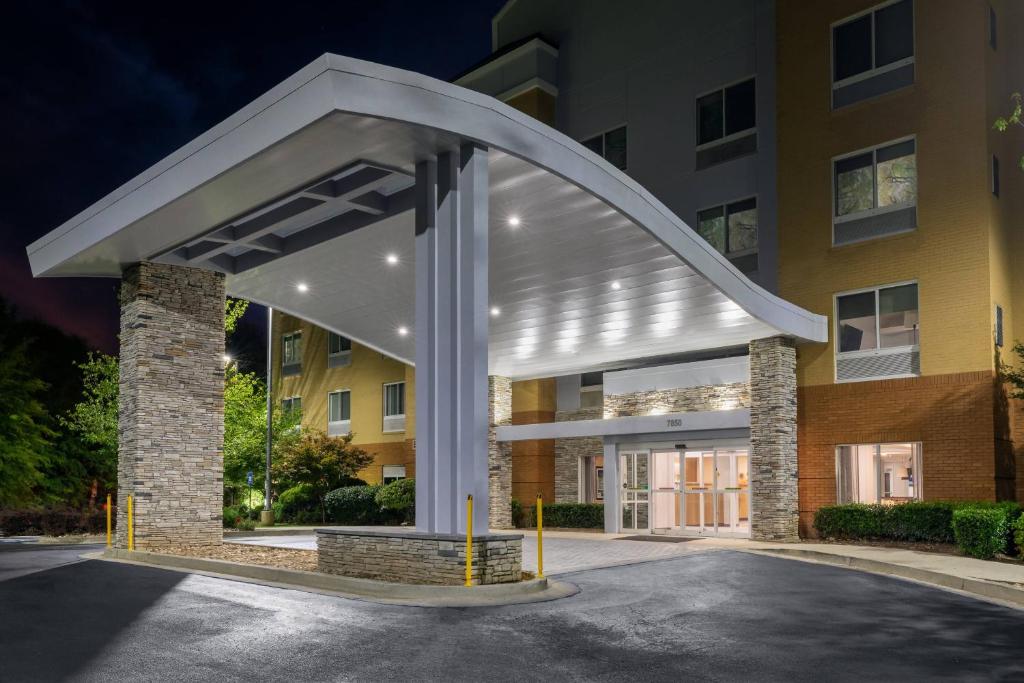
pixel 309 184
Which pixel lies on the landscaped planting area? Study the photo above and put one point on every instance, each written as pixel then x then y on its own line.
pixel 977 529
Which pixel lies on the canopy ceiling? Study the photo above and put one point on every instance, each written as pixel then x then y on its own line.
pixel 311 185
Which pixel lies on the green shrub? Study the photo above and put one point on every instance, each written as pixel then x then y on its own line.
pixel 246 524
pixel 53 522
pixel 232 516
pixel 559 515
pixel 574 515
pixel 298 505
pixel 981 531
pixel 358 505
pixel 522 517
pixel 399 497
pixel 851 521
pixel 1018 536
pixel 918 522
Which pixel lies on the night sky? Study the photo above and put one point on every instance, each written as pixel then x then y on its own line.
pixel 91 94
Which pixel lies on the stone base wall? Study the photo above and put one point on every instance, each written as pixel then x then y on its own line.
pixel 568 453
pixel 773 457
pixel 171 405
pixel 435 559
pixel 712 397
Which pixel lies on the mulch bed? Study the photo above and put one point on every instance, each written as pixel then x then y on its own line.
pixel 285 558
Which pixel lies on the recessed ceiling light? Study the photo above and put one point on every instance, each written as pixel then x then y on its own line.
pixel 616 285
pixel 495 311
pixel 513 221
pixel 392 259
pixel 402 331
pixel 302 287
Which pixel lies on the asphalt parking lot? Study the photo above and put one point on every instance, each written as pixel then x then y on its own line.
pixel 717 615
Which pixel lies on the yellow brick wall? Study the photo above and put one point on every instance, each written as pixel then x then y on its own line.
pixel 945 109
pixel 364 377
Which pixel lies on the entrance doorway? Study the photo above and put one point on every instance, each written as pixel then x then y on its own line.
pixel 633 471
pixel 704 492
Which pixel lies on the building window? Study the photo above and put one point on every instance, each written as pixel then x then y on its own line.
pixel 999 326
pixel 339 350
pixel 873 52
pixel 291 353
pixel 992 29
pixel 292 403
pixel 877 333
pixel 394 407
pixel 995 176
pixel 392 473
pixel 731 228
pixel 339 412
pixel 591 488
pixel 730 111
pixel 610 145
pixel 878 473
pixel 592 390
pixel 875 192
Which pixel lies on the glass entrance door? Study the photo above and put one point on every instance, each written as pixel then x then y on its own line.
pixel 636 489
pixel 716 491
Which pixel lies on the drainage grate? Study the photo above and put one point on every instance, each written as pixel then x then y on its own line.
pixel 657 538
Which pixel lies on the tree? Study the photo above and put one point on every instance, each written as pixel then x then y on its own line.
pixel 234 309
pixel 322 462
pixel 1014 118
pixel 94 421
pixel 245 427
pixel 24 434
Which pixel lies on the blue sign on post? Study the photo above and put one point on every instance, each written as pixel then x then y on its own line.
pixel 248 477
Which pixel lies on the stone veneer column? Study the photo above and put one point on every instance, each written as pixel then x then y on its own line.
pixel 773 462
pixel 499 454
pixel 171 405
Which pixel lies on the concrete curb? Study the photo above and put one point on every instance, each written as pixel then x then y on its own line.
pixel 973 587
pixel 493 595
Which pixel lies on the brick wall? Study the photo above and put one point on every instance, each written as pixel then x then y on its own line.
pixel 952 416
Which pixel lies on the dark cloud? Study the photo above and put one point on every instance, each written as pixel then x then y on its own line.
pixel 91 94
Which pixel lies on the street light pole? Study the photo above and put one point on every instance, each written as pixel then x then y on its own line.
pixel 267 515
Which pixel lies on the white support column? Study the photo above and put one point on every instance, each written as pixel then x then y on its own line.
pixel 451 340
pixel 612 488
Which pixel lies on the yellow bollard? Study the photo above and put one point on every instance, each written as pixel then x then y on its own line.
pixel 131 526
pixel 108 520
pixel 540 536
pixel 469 540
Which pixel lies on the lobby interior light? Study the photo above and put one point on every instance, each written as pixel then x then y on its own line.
pixel 302 287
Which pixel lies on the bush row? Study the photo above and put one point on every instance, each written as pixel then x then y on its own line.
pixel 560 515
pixel 374 504
pixel 53 522
pixel 979 529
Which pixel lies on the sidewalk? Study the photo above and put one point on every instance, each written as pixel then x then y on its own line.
pixel 1002 581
